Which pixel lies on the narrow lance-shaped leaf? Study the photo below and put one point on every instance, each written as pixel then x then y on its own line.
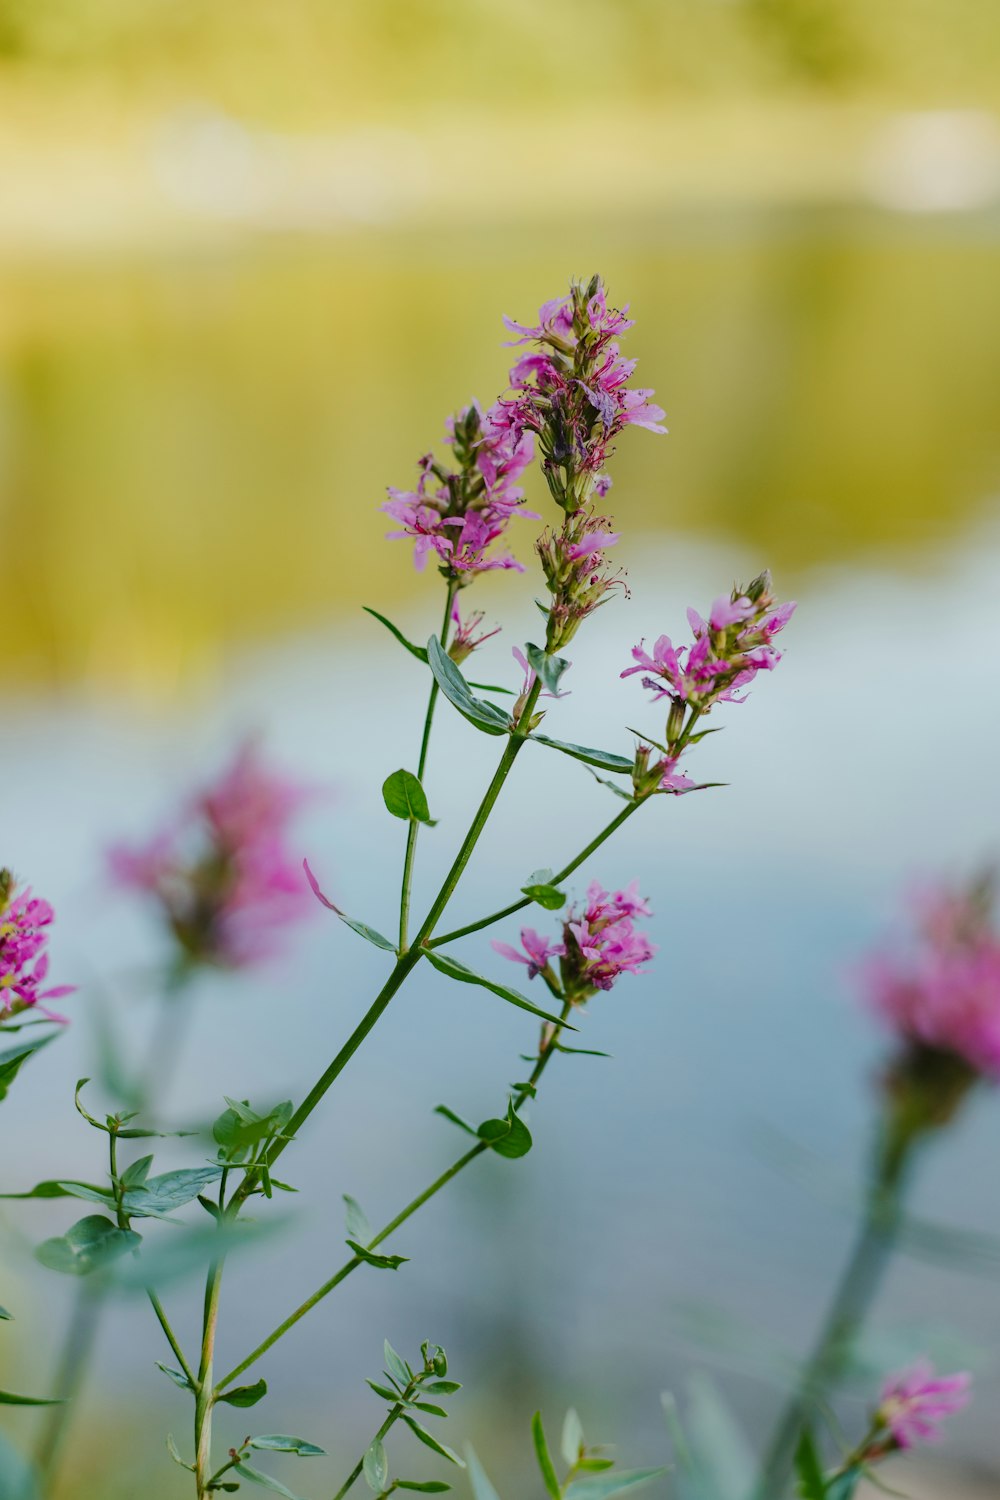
pixel 256 1476
pixel 808 1469
pixel 380 1262
pixel 545 1464
pixel 279 1443
pixel 604 760
pixel 429 1441
pixel 361 928
pixel 482 715
pixel 8 1398
pixel 445 964
pixel 482 1489
pixel 604 1486
pixel 420 652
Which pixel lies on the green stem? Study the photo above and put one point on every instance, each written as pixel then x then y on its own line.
pixel 845 1316
pixel 164 1323
pixel 404 963
pixel 563 874
pixel 413 832
pixel 204 1394
pixel 394 1415
pixel 546 1051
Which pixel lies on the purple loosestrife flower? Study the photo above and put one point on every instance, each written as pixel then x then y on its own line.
pixel 464 639
pixel 942 997
pixel 457 514
pixel 24 964
pixel 573 391
pixel 729 649
pixel 599 944
pixel 221 872
pixel 573 561
pixel 913 1404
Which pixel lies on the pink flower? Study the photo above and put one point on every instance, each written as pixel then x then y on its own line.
pixel 221 872
pixel 24 964
pixel 944 993
pixel 459 513
pixel 599 944
pixel 464 639
pixel 915 1401
pixel 578 579
pixel 537 951
pixel 727 652
pixel 573 392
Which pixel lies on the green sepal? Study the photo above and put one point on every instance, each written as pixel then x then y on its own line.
pixel 398 1369
pixel 244 1395
pixel 445 964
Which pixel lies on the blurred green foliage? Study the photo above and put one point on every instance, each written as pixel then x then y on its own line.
pixel 341 57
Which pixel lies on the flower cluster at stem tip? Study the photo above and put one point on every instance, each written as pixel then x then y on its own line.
pixel 24 964
pixel 221 871
pixel 912 1405
pixel 599 943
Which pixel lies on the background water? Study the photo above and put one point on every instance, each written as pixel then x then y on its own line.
pixel 193 450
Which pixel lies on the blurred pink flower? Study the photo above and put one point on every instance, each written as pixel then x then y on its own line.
pixel 944 993
pixel 24 964
pixel 915 1401
pixel 222 872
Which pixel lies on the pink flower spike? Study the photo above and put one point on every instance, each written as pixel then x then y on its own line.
pixel 915 1401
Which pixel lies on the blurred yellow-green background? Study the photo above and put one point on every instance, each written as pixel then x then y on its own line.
pixel 251 255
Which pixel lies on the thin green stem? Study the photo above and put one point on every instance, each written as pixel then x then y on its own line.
pixel 75 1358
pixel 204 1394
pixel 394 1415
pixel 413 831
pixel 557 879
pixel 548 1048
pixel 845 1316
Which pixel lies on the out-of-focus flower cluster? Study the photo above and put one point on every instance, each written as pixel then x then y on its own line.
pixel 458 513
pixel 599 943
pixel 913 1404
pixel 942 995
pixel 24 964
pixel 221 872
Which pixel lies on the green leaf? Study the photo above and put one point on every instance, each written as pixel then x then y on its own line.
pixel 602 781
pixel 405 798
pixel 449 1114
pixel 361 928
pixel 5 1316
pixel 175 1454
pixel 431 1442
pixel 383 1391
pixel 418 651
pixel 545 1464
pixel 247 1471
pixel 7 1398
pixel 135 1175
pixel 548 668
pixel 90 1245
pixel 244 1395
pixel 442 1387
pixel 482 1489
pixel 177 1376
pixel 579 1051
pixel 603 1486
pixel 542 892
pixel 14 1058
pixel 445 964
pixel 396 1365
pixel 62 1190
pixel 279 1443
pixel 808 1469
pixel 508 1137
pixel 171 1190
pixel 423 1486
pixel 482 715
pixel 375 1466
pixel 604 760
pixel 844 1485
pixel 380 1262
pixel 571 1442
pixel 239 1129
pixel 358 1226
